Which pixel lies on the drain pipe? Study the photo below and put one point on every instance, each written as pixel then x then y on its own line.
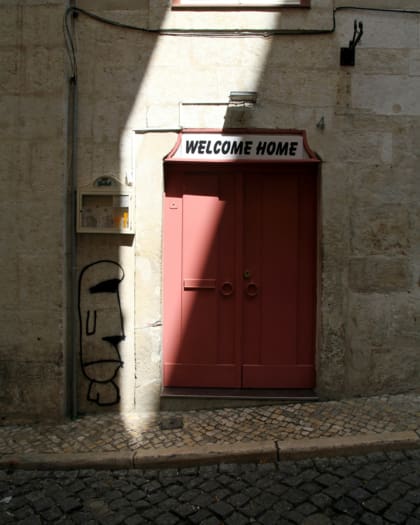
pixel 70 239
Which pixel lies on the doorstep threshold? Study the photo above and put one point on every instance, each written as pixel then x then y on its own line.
pixel 278 394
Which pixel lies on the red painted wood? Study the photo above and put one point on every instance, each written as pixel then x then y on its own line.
pixel 307 268
pixel 200 337
pixel 274 254
pixel 278 376
pixel 222 327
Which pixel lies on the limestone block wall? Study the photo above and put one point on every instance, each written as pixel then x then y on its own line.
pixel 32 123
pixel 136 89
pixel 134 83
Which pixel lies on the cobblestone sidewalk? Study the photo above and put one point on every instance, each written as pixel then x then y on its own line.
pixel 131 432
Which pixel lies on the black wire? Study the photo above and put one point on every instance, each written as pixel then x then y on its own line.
pixel 221 33
pixel 68 37
pixel 380 9
pixel 198 32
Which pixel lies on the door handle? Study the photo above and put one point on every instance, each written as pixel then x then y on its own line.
pixel 251 290
pixel 226 288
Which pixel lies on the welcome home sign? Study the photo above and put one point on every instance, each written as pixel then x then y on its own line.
pixel 220 146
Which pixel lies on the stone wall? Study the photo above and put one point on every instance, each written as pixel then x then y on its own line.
pixel 135 89
pixel 368 246
pixel 32 120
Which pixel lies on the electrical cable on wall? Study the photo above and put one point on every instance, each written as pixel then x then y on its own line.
pixel 222 33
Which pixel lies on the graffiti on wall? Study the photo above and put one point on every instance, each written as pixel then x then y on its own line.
pixel 101 329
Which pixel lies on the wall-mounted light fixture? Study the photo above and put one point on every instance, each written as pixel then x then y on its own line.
pixel 348 54
pixel 242 97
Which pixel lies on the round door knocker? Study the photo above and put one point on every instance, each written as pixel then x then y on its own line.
pixel 226 288
pixel 252 290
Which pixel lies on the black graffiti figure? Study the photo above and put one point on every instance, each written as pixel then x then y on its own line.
pixel 101 329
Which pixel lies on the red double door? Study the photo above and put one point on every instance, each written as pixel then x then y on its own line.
pixel 239 275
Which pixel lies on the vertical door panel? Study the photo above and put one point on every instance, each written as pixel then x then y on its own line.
pixel 206 353
pixel 278 346
pixel 172 263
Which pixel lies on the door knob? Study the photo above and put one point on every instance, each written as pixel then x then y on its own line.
pixel 251 290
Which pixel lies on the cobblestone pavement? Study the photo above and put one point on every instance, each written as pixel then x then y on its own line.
pixel 373 489
pixel 116 432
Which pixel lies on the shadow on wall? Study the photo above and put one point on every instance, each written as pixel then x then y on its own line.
pixel 109 64
pixel 112 64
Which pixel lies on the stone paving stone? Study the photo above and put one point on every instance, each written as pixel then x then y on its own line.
pixel 294 516
pixel 138 494
pixel 395 517
pixel 264 483
pixel 238 500
pixel 166 519
pixel 399 487
pixel 403 507
pixel 237 519
pixel 336 491
pixel 375 505
pixel 295 496
pixel 293 481
pixel 278 489
pixel 31 521
pixel 211 521
pixel 317 519
pixel 396 455
pixel 413 521
pixel 220 494
pixel 42 504
pixel 184 510
pixel 306 509
pixel 282 507
pixel 367 518
pixel 327 479
pixel 221 509
pixel 198 517
pixel 156 498
pixel 16 502
pixel 238 485
pixel 23 512
pixel 51 514
pixel 412 479
pixel 348 506
pixel 387 495
pixel 112 519
pixel 366 473
pixel 413 496
pixel 252 509
pixel 322 501
pixel 344 520
pixel 210 485
pixel 348 482
pixel 134 520
pixel 229 468
pixel 359 494
pixel 202 500
pixel 376 484
pixel 70 504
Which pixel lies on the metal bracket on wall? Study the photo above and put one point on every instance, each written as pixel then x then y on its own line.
pixel 348 54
